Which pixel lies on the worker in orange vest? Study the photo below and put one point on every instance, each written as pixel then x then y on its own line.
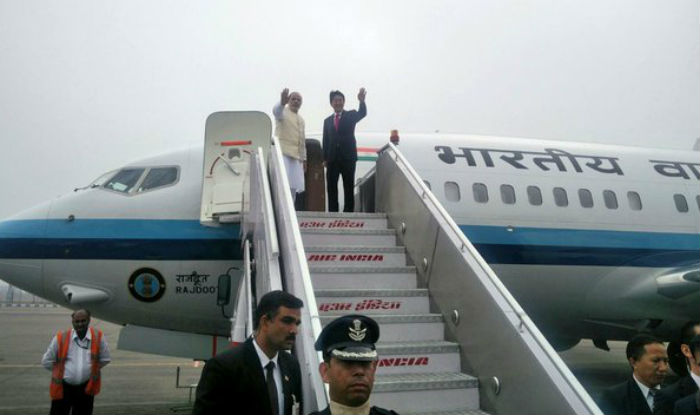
pixel 75 358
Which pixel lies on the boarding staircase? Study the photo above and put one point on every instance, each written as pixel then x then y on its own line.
pixel 453 339
pixel 357 267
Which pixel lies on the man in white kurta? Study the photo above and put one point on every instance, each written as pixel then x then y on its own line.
pixel 289 128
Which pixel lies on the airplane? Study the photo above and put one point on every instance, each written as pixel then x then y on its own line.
pixel 594 241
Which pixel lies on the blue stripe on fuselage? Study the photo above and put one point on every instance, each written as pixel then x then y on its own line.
pixel 119 239
pixel 189 240
pixel 141 249
pixel 586 238
pixel 540 246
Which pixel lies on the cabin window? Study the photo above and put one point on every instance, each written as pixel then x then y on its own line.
pixel 507 194
pixel 159 177
pixel 697 200
pixel 585 197
pixel 560 197
pixel 610 199
pixel 452 192
pixel 427 183
pixel 534 195
pixel 681 203
pixel 634 200
pixel 124 180
pixel 481 193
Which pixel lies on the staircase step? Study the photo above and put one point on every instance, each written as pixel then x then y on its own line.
pixel 373 301
pixel 335 220
pixel 423 381
pixel 455 412
pixel 409 327
pixel 423 392
pixel 400 348
pixel 348 237
pixel 365 277
pixel 356 267
pixel 343 215
pixel 418 357
pixel 334 255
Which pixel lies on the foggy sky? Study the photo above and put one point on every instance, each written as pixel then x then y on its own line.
pixel 86 86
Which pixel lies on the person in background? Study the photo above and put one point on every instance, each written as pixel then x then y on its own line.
pixel 686 385
pixel 75 358
pixel 649 362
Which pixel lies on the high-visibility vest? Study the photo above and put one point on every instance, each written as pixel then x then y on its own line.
pixel 63 341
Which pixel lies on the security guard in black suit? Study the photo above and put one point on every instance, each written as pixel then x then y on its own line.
pixel 349 363
pixel 690 405
pixel 649 362
pixel 258 376
pixel 689 346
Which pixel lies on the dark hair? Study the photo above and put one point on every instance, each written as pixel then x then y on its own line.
pixel 688 331
pixel 270 303
pixel 81 309
pixel 694 344
pixel 635 347
pixel 676 358
pixel 334 94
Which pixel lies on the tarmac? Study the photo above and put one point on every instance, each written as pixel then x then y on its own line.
pixel 136 383
pixel 133 383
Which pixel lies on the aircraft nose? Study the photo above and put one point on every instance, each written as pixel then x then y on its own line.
pixel 21 254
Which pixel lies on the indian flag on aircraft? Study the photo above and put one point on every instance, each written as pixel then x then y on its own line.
pixel 367 153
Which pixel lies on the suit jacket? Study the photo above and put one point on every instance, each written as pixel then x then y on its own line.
pixel 372 411
pixel 341 144
pixel 690 405
pixel 667 397
pixel 624 398
pixel 234 382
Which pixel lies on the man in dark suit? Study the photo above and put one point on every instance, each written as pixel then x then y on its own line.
pixel 340 149
pixel 649 361
pixel 688 384
pixel 257 376
pixel 349 364
pixel 690 405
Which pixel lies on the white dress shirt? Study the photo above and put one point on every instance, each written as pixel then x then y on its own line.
pixel 77 369
pixel 695 377
pixel 645 392
pixel 276 373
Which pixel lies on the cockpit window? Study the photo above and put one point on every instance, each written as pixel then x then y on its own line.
pixel 100 181
pixel 124 180
pixel 159 177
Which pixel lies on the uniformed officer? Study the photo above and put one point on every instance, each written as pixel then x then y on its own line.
pixel 349 363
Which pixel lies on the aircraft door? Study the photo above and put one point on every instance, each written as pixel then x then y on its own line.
pixel 230 139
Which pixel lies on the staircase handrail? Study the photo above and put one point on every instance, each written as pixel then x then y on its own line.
pixel 297 279
pixel 267 275
pixel 581 398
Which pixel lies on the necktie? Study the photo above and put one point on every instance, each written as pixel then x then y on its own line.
pixel 336 121
pixel 272 387
pixel 652 394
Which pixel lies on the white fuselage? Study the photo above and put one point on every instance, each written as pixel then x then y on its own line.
pixel 594 266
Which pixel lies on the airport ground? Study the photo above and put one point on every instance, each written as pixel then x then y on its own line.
pixel 136 383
